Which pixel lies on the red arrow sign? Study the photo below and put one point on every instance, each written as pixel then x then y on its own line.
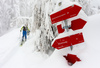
pixel 62 43
pixel 76 38
pixel 68 41
pixel 71 58
pixel 66 13
pixel 77 24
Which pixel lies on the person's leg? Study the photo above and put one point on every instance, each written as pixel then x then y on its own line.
pixel 25 35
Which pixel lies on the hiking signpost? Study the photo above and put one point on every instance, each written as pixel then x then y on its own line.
pixel 79 23
pixel 68 41
pixel 66 13
pixel 76 24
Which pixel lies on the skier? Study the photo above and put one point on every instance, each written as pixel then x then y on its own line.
pixel 25 31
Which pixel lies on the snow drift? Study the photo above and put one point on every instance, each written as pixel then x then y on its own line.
pixel 89 55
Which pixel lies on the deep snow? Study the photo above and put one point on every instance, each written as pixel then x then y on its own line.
pixel 89 53
pixel 14 56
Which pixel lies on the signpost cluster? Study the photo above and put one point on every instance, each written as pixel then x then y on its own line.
pixel 68 41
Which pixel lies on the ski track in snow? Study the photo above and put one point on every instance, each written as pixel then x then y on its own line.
pixel 15 56
pixel 8 45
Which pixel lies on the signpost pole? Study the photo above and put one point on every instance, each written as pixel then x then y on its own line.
pixel 66 27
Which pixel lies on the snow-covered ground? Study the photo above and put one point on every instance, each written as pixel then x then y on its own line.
pixel 8 43
pixel 14 56
pixel 89 55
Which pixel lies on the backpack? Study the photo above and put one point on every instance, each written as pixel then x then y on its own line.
pixel 24 29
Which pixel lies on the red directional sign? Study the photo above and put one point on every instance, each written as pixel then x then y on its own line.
pixel 68 41
pixel 72 58
pixel 77 24
pixel 66 13
pixel 76 38
pixel 62 43
pixel 60 30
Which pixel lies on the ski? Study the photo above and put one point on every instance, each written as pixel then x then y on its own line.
pixel 22 42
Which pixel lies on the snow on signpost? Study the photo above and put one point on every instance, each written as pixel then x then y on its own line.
pixel 77 23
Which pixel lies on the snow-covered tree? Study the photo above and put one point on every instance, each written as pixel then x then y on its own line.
pixel 26 7
pixel 86 6
pixel 37 12
pixel 41 15
pixel 7 13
